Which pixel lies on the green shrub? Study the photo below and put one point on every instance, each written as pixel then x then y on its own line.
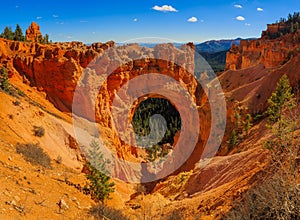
pixel 232 140
pixel 20 93
pixel 247 124
pixel 34 154
pixel 258 117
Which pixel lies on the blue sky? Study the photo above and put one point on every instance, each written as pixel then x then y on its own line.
pixel 180 20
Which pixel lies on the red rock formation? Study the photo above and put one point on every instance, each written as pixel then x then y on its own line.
pixel 273 29
pixel 33 33
pixel 270 53
pixel 254 68
pixel 56 68
pixel 130 70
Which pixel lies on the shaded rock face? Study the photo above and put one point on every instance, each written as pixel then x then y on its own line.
pixel 270 53
pixel 33 32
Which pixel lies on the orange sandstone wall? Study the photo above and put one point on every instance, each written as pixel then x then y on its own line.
pixel 270 53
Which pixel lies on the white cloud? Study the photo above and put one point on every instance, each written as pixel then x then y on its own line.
pixel 135 19
pixel 247 24
pixel 240 18
pixel 69 37
pixel 55 16
pixel 260 9
pixel 238 6
pixel 39 17
pixel 164 8
pixel 192 19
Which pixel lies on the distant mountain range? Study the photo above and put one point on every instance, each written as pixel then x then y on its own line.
pixel 213 51
pixel 211 46
pixel 152 45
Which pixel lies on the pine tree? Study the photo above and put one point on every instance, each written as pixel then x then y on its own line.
pixel 18 35
pixel 95 157
pixel 282 99
pixel 8 33
pixel 296 26
pixel 281 102
pixel 46 39
pixel 232 139
pixel 247 124
pixel 100 183
pixel 292 28
pixel 4 80
pixel 40 39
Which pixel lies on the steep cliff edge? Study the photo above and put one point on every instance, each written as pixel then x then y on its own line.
pixel 268 52
pixel 254 67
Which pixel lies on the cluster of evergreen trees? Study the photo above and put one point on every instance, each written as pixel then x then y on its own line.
pixel 292 25
pixel 141 124
pixel 18 35
pixel 13 35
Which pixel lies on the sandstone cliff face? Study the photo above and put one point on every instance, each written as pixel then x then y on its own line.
pixel 270 53
pixel 273 29
pixel 33 33
pixel 253 69
pixel 56 69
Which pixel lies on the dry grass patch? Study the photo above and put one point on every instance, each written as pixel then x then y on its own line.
pixel 34 154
